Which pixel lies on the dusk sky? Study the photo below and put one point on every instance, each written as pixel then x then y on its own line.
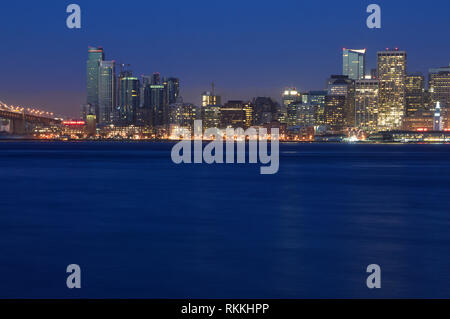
pixel 248 48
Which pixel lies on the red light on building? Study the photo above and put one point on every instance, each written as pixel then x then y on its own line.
pixel 74 123
pixel 422 129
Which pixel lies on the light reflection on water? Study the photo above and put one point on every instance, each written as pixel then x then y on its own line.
pixel 141 226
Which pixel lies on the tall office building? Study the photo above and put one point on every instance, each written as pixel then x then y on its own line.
pixel 334 114
pixel 128 100
pixel 173 89
pixel 288 111
pixel 317 98
pixel 414 93
pixel 264 110
pixel 183 114
pixel 144 116
pixel 233 114
pixel 158 102
pixel 366 105
pixel 439 86
pixel 342 85
pixel 210 109
pixel 391 94
pixel 209 98
pixel 354 63
pixel 106 91
pixel 95 56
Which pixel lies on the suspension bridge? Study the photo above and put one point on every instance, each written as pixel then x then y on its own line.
pixel 21 119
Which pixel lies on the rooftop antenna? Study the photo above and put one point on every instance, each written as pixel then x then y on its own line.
pixel 212 88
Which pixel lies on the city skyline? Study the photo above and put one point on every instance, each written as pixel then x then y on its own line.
pixel 245 62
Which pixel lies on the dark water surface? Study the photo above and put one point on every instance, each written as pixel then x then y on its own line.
pixel 141 226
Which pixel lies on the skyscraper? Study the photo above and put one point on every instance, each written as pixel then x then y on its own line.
pixel 209 98
pixel 158 104
pixel 439 86
pixel 210 109
pixel 95 55
pixel 354 63
pixel 128 100
pixel 391 76
pixel 264 110
pixel 173 89
pixel 342 85
pixel 335 112
pixel 288 112
pixel 317 98
pixel 414 93
pixel 106 91
pixel 366 105
pixel 233 114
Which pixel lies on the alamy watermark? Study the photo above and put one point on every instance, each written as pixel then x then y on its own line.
pixel 73 21
pixel 214 151
pixel 374 19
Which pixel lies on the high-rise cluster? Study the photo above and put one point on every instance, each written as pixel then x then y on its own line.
pixel 358 101
pixel 124 100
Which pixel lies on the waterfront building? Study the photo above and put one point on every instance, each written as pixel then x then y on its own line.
pixel 334 113
pixel 106 91
pixel 209 98
pixel 422 120
pixel 288 111
pixel 439 86
pixel 233 114
pixel 438 123
pixel 317 98
pixel 264 110
pixel 210 109
pixel 183 114
pixel 173 89
pixel 354 63
pixel 306 115
pixel 391 76
pixel 91 125
pixel 414 93
pixel 158 104
pixel 95 56
pixel 342 85
pixel 128 100
pixel 366 105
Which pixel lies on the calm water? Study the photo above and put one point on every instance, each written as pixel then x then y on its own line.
pixel 141 226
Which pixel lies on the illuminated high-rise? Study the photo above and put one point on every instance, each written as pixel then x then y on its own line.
pixel 95 56
pixel 106 91
pixel 366 105
pixel 128 100
pixel 391 94
pixel 288 112
pixel 414 93
pixel 439 86
pixel 342 85
pixel 354 63
pixel 173 89
pixel 317 98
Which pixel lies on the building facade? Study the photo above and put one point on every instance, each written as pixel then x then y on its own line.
pixel 354 63
pixel 392 77
pixel 366 105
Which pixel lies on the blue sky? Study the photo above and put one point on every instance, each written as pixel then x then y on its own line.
pixel 246 47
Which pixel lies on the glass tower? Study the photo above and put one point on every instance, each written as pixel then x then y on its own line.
pixel 106 91
pixel 129 100
pixel 354 63
pixel 95 56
